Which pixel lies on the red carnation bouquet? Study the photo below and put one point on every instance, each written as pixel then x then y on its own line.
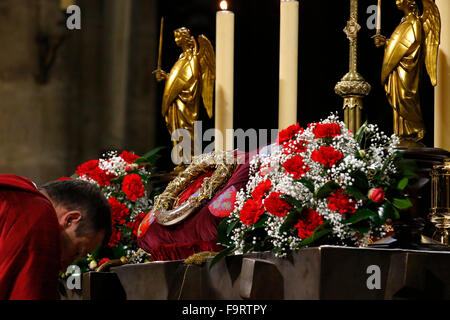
pixel 319 185
pixel 126 181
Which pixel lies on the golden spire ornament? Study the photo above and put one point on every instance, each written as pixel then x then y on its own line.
pixel 352 87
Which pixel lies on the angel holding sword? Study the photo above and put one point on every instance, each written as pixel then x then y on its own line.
pixel 191 78
pixel 414 41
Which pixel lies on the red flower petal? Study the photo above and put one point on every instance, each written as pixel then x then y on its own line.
pixel 277 206
pixel 133 187
pixel 296 167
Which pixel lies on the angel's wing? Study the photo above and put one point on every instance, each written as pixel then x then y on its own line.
pixel 431 20
pixel 207 59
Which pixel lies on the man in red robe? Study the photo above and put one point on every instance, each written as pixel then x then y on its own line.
pixel 43 230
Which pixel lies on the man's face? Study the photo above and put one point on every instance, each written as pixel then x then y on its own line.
pixel 74 247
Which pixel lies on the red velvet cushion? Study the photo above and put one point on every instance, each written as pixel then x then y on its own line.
pixel 180 251
pixel 197 228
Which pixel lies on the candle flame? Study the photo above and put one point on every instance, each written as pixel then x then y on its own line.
pixel 224 5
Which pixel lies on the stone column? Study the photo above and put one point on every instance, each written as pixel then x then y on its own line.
pixel 116 48
pixel 442 91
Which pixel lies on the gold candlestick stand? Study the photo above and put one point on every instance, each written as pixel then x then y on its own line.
pixel 440 202
pixel 352 87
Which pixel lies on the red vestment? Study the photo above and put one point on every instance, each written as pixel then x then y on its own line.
pixel 30 242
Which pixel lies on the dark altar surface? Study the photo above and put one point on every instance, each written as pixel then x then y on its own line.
pixel 321 273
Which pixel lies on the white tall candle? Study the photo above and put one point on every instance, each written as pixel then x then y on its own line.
pixel 379 15
pixel 224 77
pixel 288 85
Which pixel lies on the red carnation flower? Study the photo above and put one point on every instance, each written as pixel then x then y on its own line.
pixel 87 167
pixel 328 156
pixel 277 206
pixel 134 225
pixel 341 202
pixel 294 147
pixel 133 186
pixel 116 236
pixel 327 130
pixel 101 177
pixel 119 211
pixel 289 133
pixel 102 261
pixel 261 189
pixel 93 171
pixel 296 167
pixel 309 222
pixel 251 211
pixel 128 157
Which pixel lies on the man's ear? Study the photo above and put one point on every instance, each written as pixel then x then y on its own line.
pixel 71 218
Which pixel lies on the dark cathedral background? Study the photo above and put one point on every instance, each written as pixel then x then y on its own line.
pixel 69 96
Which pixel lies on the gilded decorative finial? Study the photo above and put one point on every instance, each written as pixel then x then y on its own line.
pixel 352 87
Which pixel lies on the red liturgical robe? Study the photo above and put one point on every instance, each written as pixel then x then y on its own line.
pixel 29 242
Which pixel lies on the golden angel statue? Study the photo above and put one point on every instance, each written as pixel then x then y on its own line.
pixel 191 78
pixel 414 41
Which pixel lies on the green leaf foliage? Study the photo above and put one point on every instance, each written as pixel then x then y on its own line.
pixel 360 215
pixel 385 212
pixel 150 157
pixel 291 220
pixel 261 223
pixel 361 181
pixel 222 232
pixel 355 193
pixel 221 255
pixel 396 213
pixel 360 133
pixel 292 201
pixel 402 203
pixel 314 237
pixel 327 189
pixel 361 229
pixel 231 227
pixel 307 183
pixel 402 184
pixel 118 252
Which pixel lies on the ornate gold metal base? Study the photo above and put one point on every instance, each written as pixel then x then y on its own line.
pixel 442 224
pixel 440 201
pixel 411 143
pixel 441 236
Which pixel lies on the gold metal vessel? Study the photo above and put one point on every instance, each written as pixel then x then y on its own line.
pixel 440 201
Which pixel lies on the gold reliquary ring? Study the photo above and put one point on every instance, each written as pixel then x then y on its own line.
pixel 166 208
